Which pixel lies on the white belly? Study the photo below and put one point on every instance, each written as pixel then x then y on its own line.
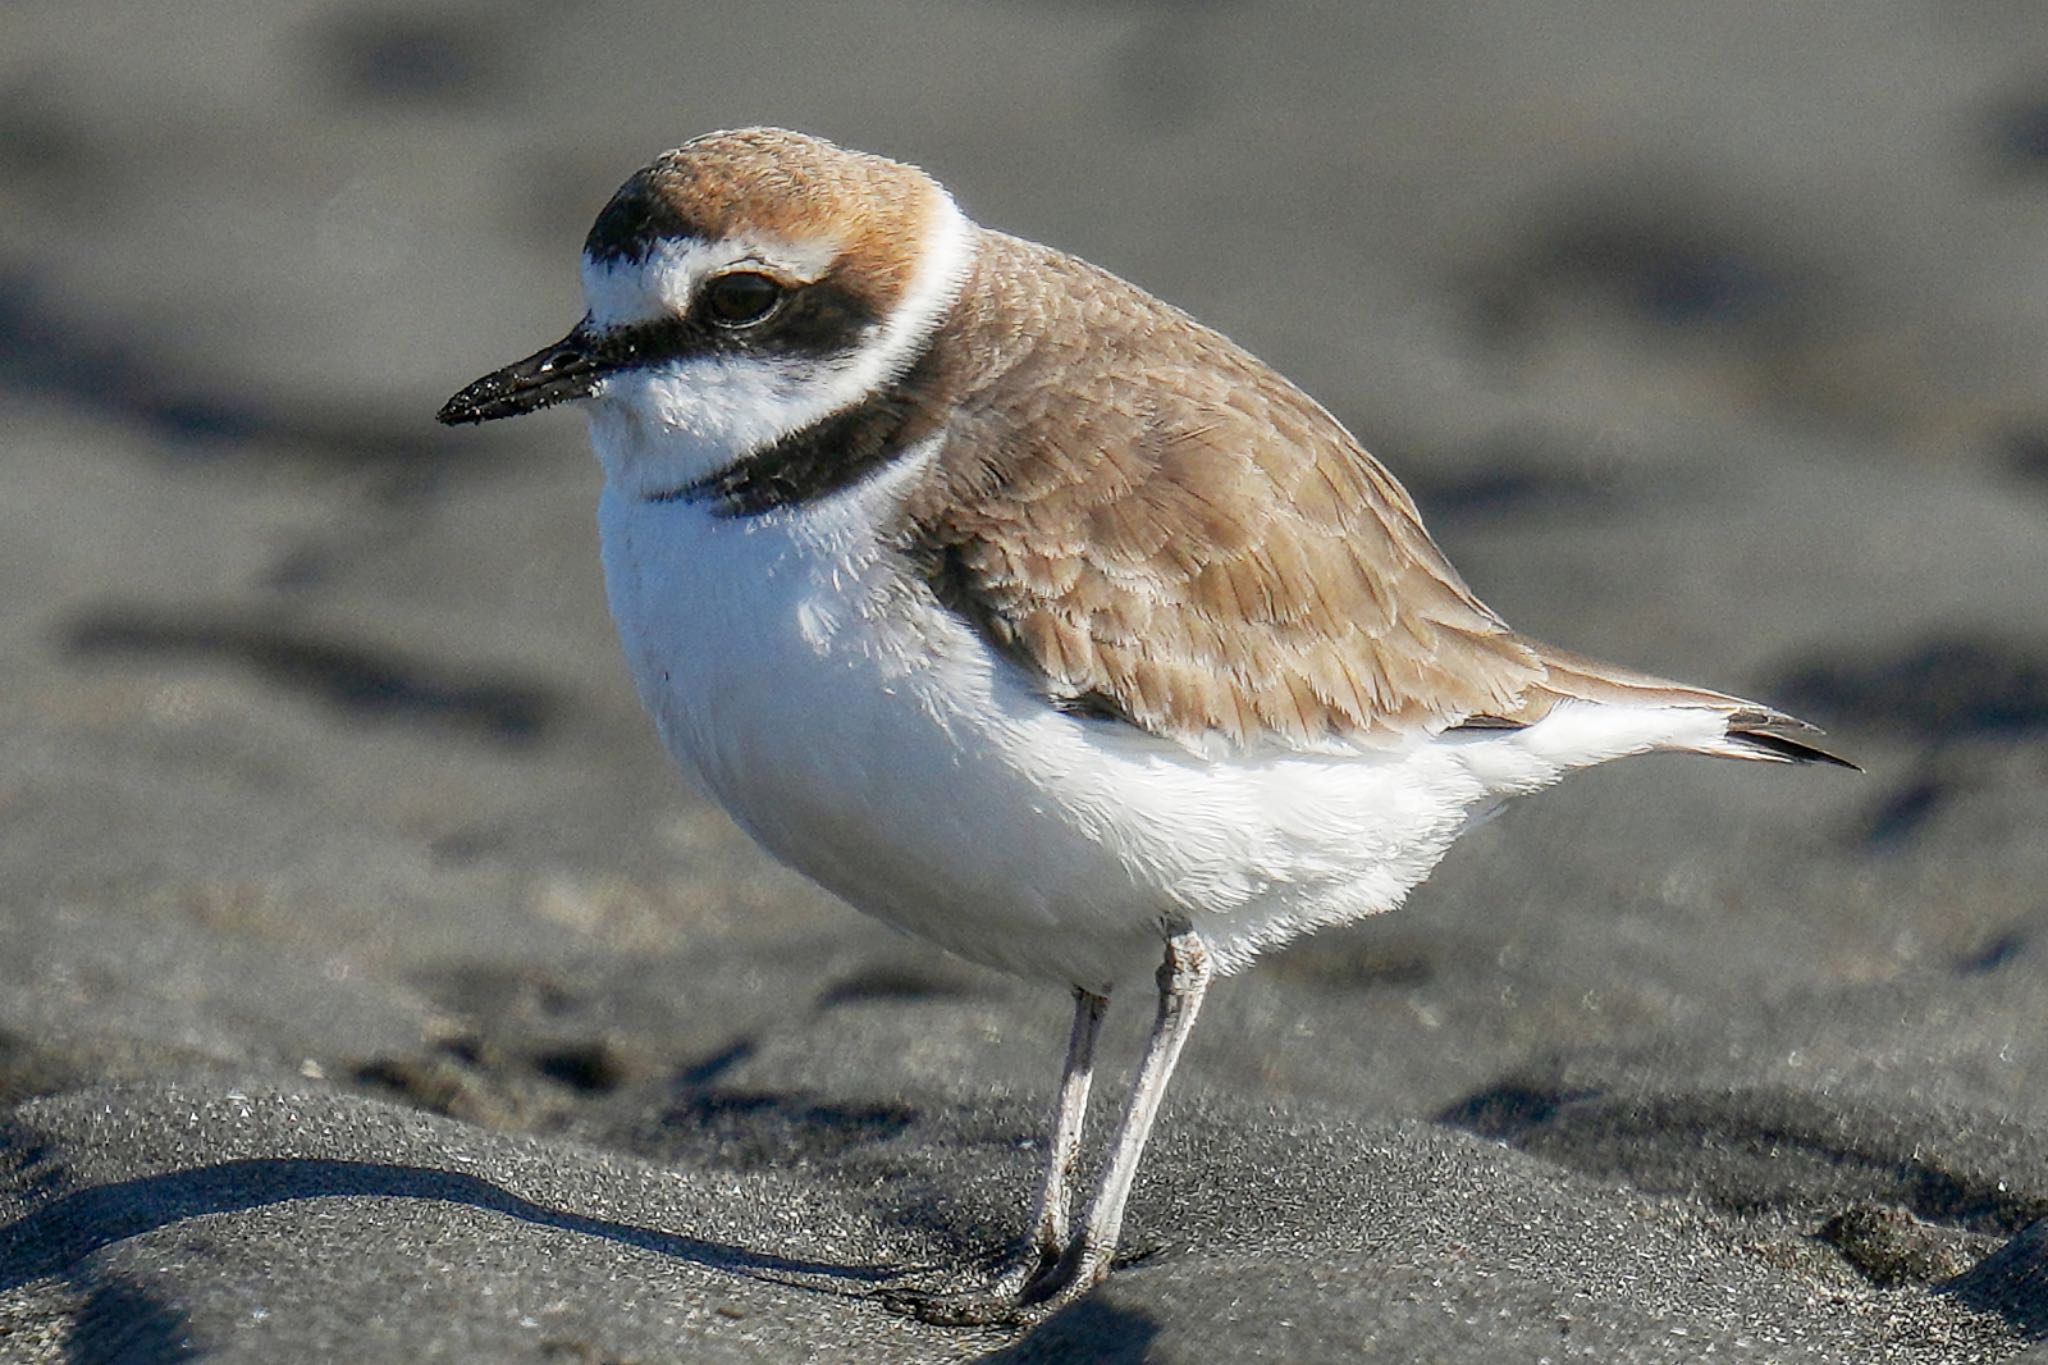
pixel 866 738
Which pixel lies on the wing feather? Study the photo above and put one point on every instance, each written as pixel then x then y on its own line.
pixel 1150 521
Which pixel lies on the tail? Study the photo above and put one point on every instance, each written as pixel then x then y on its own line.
pixel 1751 731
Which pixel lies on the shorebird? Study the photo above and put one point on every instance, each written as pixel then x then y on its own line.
pixel 1033 617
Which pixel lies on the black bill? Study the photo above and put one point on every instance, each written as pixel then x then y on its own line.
pixel 554 374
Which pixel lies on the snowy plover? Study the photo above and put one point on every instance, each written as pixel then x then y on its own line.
pixel 1031 616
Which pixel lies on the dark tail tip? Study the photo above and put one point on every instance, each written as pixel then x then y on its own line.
pixel 1783 750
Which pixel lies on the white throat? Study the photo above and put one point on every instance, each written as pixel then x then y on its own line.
pixel 662 427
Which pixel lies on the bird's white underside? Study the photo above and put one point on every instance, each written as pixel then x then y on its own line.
pixel 869 737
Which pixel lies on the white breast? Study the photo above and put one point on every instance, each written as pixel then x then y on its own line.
pixel 867 737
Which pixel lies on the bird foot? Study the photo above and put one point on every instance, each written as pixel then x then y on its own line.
pixel 989 1306
pixel 1029 1292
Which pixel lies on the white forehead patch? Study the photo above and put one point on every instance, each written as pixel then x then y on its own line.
pixel 623 292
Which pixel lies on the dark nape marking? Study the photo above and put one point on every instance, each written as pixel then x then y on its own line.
pixel 829 455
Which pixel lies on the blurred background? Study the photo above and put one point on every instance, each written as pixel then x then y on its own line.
pixel 1712 339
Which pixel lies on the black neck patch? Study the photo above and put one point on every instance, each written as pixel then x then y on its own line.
pixel 831 454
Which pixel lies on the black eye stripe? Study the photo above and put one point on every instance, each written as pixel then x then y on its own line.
pixel 811 321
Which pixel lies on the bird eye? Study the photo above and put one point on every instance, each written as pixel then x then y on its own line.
pixel 741 298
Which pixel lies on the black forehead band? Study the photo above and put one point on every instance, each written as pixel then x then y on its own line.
pixel 638 219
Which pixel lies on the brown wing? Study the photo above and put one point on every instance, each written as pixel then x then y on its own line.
pixel 1161 528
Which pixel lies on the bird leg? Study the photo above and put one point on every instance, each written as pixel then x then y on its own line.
pixel 998 1301
pixel 1183 979
pixel 1069 1114
pixel 1061 1269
